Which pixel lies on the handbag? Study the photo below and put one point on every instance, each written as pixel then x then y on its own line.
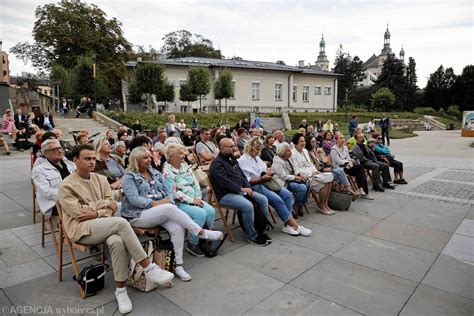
pixel 164 255
pixel 201 177
pixel 272 185
pixel 323 177
pixel 136 273
pixel 210 248
pixel 92 278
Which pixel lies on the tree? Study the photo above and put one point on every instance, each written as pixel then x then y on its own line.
pixel 145 54
pixel 383 98
pixel 168 94
pixel 439 89
pixel 412 87
pixel 185 93
pixel 199 79
pixel 65 78
pixel 223 87
pixel 352 72
pixel 464 92
pixel 393 78
pixel 66 30
pixel 83 81
pixel 149 80
pixel 183 43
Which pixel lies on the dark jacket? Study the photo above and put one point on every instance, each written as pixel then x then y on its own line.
pixel 384 123
pixel 226 176
pixel 20 118
pixel 267 154
pixel 363 153
pixel 41 121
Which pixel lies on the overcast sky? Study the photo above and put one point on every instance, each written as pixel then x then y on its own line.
pixel 432 32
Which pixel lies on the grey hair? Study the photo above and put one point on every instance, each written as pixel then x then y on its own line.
pixel 172 149
pixel 282 148
pixel 45 144
pixel 118 144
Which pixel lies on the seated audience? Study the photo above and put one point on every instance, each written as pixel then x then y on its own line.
pixel 37 145
pixel 88 206
pixel 119 153
pixel 157 160
pixel 4 144
pixel 67 147
pixel 205 149
pixel 304 124
pixel 22 140
pixel 46 122
pixel 48 175
pixel 181 126
pixel 366 157
pixel 106 165
pixel 279 138
pixel 328 142
pixel 304 168
pixel 383 154
pixel 257 174
pixel 242 139
pixel 188 138
pixel 341 159
pixel 323 163
pixel 336 128
pixel 122 135
pixel 187 194
pixel 286 177
pixel 110 137
pixel 82 138
pixel 20 119
pixel 8 123
pixel 371 126
pixel 351 142
pixel 149 202
pixel 159 146
pixel 328 126
pixel 268 151
pixel 171 126
pixel 233 190
pixel 137 128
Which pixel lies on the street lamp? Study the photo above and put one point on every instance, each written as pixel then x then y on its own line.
pixel 94 57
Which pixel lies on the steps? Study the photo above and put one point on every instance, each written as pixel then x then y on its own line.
pixel 68 124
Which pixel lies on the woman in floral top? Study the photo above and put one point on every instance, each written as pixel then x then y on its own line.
pixel 178 175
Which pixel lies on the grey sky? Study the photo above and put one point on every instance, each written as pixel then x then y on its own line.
pixel 433 32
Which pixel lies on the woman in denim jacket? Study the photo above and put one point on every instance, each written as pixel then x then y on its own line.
pixel 148 202
pixel 187 193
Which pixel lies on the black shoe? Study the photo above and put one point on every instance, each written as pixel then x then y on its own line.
pixel 295 216
pixel 378 188
pixel 388 186
pixel 259 241
pixel 194 250
pixel 266 237
pixel 402 181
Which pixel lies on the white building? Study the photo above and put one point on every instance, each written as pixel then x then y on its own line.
pixel 259 86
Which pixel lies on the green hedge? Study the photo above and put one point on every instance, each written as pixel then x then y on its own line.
pixel 363 117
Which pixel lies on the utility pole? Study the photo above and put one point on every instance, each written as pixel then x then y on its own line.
pixel 345 114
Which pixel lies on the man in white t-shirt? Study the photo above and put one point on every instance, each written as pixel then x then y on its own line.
pixel 206 149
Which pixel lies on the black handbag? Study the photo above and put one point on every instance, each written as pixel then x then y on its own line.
pixel 92 278
pixel 210 248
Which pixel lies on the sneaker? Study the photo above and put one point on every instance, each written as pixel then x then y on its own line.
pixel 157 275
pixel 388 186
pixel 123 301
pixel 211 235
pixel 290 230
pixel 259 241
pixel 304 231
pixel 194 250
pixel 377 188
pixel 266 237
pixel 181 274
pixel 402 181
pixel 366 197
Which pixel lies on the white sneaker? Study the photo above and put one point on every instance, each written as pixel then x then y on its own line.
pixel 157 275
pixel 304 231
pixel 366 197
pixel 123 301
pixel 212 235
pixel 290 230
pixel 181 274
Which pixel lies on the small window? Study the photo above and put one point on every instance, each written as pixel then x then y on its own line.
pixel 255 91
pixel 295 90
pixel 317 90
pixel 256 109
pixel 184 108
pixel 278 109
pixel 232 108
pixel 305 93
pixel 235 91
pixel 278 87
pixel 327 90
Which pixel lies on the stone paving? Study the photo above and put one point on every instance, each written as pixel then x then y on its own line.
pixel 408 252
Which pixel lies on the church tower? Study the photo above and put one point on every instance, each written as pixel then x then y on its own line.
pixel 386 43
pixel 322 61
pixel 402 55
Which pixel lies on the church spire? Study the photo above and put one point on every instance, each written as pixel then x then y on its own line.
pixel 402 54
pixel 386 43
pixel 322 61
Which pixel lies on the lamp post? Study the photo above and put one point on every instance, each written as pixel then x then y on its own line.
pixel 94 57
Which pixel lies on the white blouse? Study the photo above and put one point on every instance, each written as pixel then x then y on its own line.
pixel 302 163
pixel 251 167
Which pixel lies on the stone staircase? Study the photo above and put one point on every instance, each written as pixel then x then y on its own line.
pixel 69 124
pixel 436 125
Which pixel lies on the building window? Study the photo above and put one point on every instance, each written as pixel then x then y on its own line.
pixel 317 90
pixel 235 91
pixel 295 90
pixel 327 90
pixel 278 109
pixel 305 93
pixel 255 91
pixel 278 87
pixel 184 108
pixel 232 108
pixel 256 109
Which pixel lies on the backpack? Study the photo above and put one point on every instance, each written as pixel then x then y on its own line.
pixel 92 278
pixel 261 222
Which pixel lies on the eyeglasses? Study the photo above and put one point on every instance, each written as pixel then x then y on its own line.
pixel 56 149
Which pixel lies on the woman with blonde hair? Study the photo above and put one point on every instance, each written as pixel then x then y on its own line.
pixel 149 202
pixel 172 127
pixel 187 193
pixel 260 178
pixel 106 165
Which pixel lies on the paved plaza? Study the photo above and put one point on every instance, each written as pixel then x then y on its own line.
pixel 408 252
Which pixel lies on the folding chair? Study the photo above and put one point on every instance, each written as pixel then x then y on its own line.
pixel 32 162
pixel 63 238
pixel 224 217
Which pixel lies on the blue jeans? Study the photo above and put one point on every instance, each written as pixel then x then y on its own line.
pixel 300 190
pixel 280 201
pixel 200 215
pixel 239 202
pixel 340 176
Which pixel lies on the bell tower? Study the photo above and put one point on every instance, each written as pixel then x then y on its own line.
pixel 322 61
